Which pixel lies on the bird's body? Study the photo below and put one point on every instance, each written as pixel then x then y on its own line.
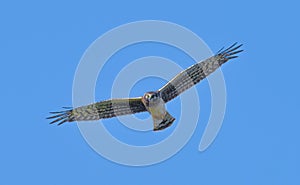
pixel 155 105
pixel 153 102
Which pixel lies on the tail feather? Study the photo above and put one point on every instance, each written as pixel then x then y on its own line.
pixel 162 124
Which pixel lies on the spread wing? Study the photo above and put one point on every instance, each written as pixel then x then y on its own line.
pixel 197 72
pixel 100 110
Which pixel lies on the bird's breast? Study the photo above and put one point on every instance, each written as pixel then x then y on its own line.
pixel 158 110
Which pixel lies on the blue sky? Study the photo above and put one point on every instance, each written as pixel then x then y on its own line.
pixel 41 46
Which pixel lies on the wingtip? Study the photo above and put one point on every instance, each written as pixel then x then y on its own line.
pixel 63 121
pixel 60 117
pixel 52 122
pixel 231 48
pixel 67 108
pixel 231 51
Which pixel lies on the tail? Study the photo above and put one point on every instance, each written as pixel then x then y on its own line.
pixel 162 124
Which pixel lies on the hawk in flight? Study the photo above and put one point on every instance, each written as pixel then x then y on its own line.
pixel 153 102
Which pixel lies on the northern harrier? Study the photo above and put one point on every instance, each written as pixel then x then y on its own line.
pixel 153 102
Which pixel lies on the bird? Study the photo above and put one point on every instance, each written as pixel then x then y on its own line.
pixel 154 101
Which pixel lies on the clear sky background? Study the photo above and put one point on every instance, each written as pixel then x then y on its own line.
pixel 42 43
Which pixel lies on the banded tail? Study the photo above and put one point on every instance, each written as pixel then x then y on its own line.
pixel 162 124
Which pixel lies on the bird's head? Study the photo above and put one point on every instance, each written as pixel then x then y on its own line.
pixel 150 98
